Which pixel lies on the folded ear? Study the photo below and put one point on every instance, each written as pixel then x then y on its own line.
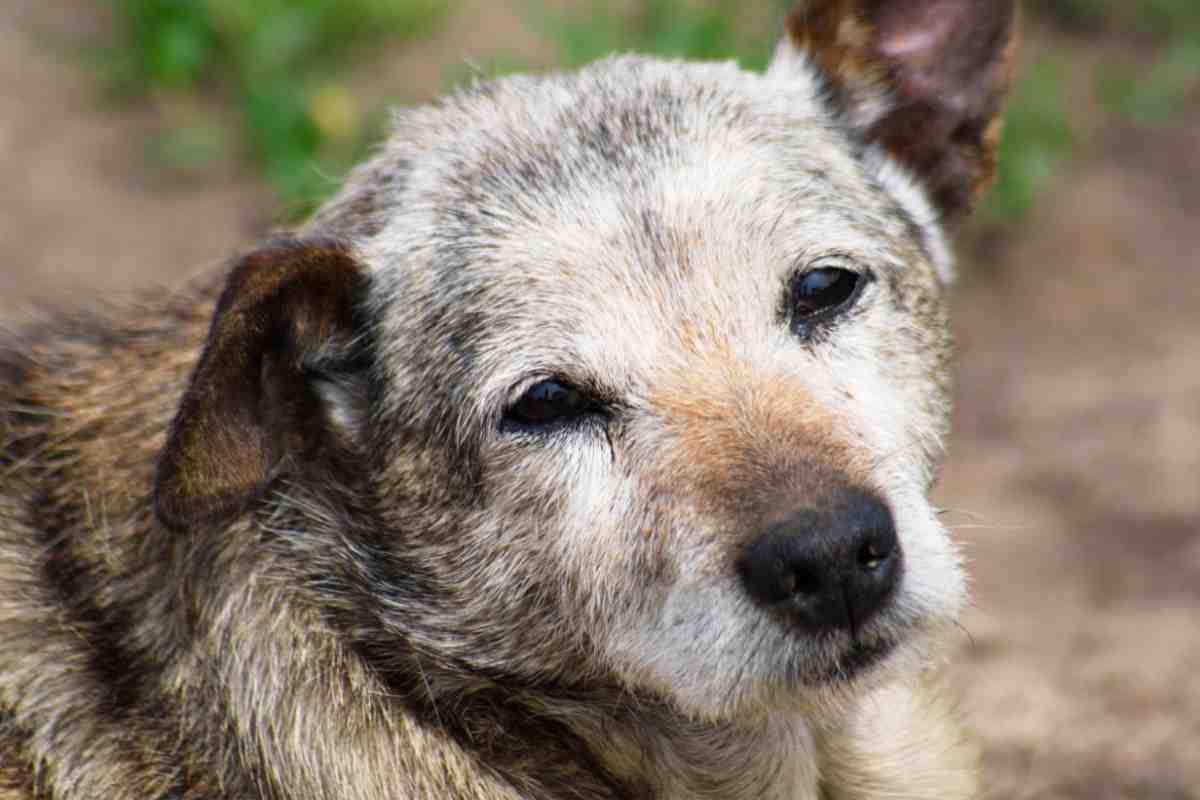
pixel 923 79
pixel 283 347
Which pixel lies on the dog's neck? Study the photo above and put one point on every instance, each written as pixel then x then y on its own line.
pixel 603 741
pixel 616 747
pixel 773 757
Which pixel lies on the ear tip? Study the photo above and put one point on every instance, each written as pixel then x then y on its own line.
pixel 289 248
pixel 997 15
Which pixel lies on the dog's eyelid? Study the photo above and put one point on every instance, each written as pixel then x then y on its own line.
pixel 549 402
pixel 834 259
pixel 602 394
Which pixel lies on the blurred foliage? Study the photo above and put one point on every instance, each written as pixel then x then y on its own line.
pixel 1037 141
pixel 588 30
pixel 1145 94
pixel 1038 135
pixel 1154 95
pixel 666 28
pixel 1151 17
pixel 275 62
pixel 189 148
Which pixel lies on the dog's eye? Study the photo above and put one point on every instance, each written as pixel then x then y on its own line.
pixel 547 402
pixel 821 293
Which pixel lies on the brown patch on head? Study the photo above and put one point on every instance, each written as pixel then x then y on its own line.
pixel 925 79
pixel 248 404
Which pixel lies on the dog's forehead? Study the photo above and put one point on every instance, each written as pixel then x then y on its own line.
pixel 548 216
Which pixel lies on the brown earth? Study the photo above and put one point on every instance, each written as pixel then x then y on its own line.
pixel 1074 477
pixel 81 211
pixel 1077 456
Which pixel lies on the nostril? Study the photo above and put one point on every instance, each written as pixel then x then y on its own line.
pixel 788 582
pixel 778 566
pixel 796 579
pixel 874 552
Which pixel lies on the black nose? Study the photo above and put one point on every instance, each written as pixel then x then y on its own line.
pixel 828 568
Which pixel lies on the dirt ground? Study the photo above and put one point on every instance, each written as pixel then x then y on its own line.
pixel 1074 477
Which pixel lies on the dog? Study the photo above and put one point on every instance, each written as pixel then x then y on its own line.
pixel 580 447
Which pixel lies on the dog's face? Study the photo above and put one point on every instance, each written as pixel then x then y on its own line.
pixel 656 360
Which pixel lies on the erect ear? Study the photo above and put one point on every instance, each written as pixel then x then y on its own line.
pixel 282 347
pixel 923 79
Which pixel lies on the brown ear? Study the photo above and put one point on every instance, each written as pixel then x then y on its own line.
pixel 287 314
pixel 924 79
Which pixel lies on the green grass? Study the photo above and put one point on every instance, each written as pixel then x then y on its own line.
pixel 1147 17
pixel 1150 94
pixel 1038 137
pixel 1036 143
pixel 667 28
pixel 276 64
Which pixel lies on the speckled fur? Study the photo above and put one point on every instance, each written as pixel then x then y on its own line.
pixel 408 600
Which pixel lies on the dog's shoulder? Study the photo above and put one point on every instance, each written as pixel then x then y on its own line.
pixel 67 374
pixel 84 400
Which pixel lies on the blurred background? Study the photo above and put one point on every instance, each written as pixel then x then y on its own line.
pixel 145 140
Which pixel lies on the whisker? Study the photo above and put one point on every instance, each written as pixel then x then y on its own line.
pixel 975 515
pixel 970 639
pixel 988 527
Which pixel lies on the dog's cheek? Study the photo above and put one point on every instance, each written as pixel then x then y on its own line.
pixel 666 616
pixel 615 546
pixel 935 590
pixel 631 571
pixel 560 520
pixel 887 375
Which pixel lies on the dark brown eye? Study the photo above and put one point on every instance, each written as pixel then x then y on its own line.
pixel 548 402
pixel 820 293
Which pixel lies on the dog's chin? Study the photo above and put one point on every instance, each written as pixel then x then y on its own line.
pixel 856 660
pixel 723 659
pixel 815 679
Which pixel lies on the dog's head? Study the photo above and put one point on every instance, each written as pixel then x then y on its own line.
pixel 635 375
